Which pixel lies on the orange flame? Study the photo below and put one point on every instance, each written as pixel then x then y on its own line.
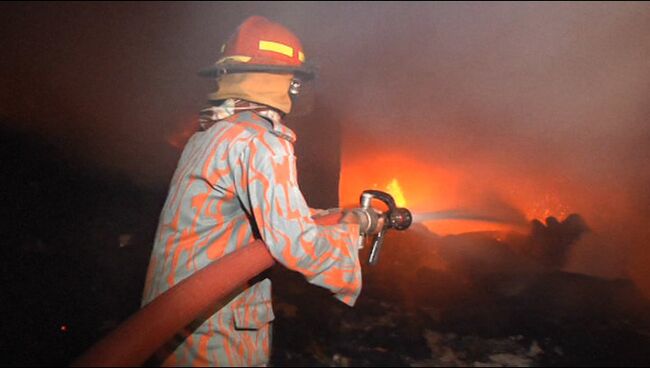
pixel 546 206
pixel 426 186
pixel 393 188
pixel 504 202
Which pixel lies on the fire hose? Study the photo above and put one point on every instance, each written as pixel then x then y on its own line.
pixel 138 338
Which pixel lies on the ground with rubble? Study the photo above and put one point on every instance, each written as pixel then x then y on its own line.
pixel 554 318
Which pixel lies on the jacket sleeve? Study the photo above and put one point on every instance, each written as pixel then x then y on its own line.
pixel 265 181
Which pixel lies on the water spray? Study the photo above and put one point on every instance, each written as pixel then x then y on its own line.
pixel 458 214
pixel 512 222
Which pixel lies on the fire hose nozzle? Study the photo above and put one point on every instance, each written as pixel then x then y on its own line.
pixel 395 218
pixel 401 219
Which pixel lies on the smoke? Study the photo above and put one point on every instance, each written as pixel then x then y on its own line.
pixel 543 104
pixel 536 107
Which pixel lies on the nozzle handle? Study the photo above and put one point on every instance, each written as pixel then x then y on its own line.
pixel 376 247
pixel 395 218
pixel 365 203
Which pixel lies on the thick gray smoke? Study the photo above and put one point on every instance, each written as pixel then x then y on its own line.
pixel 543 97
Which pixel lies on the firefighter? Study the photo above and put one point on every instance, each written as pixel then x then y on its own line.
pixel 236 182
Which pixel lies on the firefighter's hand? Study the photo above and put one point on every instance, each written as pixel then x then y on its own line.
pixel 370 221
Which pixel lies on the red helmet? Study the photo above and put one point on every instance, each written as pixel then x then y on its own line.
pixel 259 45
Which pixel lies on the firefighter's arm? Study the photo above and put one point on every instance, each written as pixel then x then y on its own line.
pixel 318 212
pixel 369 221
pixel 326 255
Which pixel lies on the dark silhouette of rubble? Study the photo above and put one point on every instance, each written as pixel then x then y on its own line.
pixel 550 244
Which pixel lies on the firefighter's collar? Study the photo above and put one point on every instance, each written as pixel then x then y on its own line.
pixel 278 127
pixel 230 107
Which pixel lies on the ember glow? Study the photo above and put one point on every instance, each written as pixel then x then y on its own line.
pixel 440 199
pixel 548 205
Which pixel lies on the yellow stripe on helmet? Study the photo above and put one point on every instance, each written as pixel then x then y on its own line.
pixel 280 48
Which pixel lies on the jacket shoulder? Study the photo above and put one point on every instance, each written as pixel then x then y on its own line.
pixel 259 132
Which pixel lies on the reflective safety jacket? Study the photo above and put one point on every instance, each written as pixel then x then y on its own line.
pixel 236 182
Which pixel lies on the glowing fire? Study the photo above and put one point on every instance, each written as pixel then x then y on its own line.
pixel 393 188
pixel 546 206
pixel 485 201
pixel 425 186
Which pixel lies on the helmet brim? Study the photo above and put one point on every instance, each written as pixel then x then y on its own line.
pixel 305 72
